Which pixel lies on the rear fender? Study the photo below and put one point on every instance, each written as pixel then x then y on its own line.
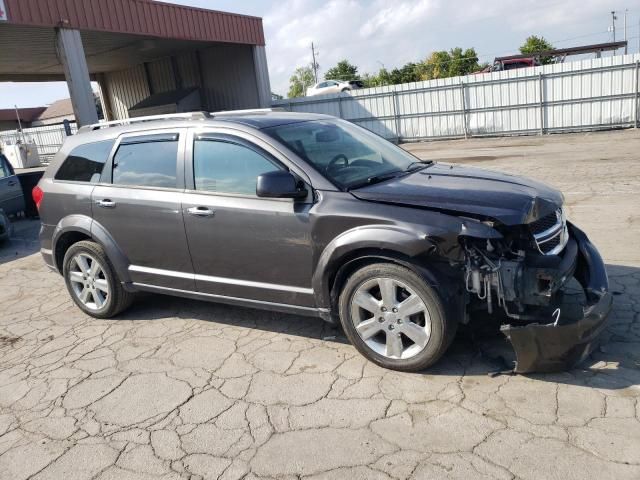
pixel 87 226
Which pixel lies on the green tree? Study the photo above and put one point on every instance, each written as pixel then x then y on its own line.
pixel 301 79
pixel 436 65
pixel 409 72
pixel 342 71
pixel 534 44
pixel 453 63
pixel 380 79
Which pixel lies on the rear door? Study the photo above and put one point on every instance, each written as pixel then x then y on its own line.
pixel 11 197
pixel 138 203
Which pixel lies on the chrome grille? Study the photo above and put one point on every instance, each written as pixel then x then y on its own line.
pixel 550 233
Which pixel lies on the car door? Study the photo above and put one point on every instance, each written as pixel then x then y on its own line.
pixel 138 203
pixel 11 197
pixel 241 245
pixel 333 87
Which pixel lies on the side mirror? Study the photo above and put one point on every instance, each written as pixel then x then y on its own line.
pixel 279 184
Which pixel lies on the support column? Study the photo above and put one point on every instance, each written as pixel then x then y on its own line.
pixel 74 63
pixel 262 76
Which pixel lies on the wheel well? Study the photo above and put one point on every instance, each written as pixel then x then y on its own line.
pixel 451 296
pixel 64 242
pixel 356 261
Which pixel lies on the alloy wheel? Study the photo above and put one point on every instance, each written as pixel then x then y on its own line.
pixel 390 318
pixel 88 280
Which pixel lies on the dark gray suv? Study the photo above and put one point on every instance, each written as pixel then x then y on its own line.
pixel 312 215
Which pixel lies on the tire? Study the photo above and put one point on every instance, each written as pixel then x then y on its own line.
pixel 96 290
pixel 345 89
pixel 424 335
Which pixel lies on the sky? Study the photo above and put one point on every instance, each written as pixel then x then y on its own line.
pixel 373 33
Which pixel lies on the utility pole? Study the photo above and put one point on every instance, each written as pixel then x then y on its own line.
pixel 315 64
pixel 612 28
pixel 625 30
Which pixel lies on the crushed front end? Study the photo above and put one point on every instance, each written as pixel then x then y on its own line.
pixel 548 282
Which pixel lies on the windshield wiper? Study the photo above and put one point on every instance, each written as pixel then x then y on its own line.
pixel 375 179
pixel 418 163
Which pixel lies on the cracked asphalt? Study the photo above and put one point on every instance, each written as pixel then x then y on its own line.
pixel 178 389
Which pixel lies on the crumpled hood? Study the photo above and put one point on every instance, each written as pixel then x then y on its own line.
pixel 511 199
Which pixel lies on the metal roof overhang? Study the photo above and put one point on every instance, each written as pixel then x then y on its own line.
pixel 116 34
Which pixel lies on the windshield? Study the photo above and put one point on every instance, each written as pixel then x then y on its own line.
pixel 349 156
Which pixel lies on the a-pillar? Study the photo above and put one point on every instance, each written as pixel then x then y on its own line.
pixel 74 63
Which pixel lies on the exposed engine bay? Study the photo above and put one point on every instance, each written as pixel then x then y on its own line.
pixel 519 272
pixel 524 276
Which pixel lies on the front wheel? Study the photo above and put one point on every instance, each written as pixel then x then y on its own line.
pixel 394 318
pixel 92 281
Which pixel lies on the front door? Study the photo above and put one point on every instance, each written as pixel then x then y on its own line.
pixel 11 197
pixel 243 246
pixel 138 203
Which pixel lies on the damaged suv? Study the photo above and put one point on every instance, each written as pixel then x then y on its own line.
pixel 312 215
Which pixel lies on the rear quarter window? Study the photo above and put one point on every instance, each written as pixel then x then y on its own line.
pixel 85 163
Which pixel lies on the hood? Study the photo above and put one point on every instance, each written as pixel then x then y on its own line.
pixel 510 199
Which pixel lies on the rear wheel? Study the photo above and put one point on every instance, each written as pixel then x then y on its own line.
pixel 394 318
pixel 92 281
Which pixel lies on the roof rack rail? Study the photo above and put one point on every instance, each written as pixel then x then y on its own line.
pixel 177 116
pixel 150 118
pixel 248 111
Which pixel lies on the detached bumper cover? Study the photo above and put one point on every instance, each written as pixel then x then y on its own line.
pixel 559 346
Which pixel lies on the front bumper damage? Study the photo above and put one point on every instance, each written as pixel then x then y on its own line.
pixel 563 342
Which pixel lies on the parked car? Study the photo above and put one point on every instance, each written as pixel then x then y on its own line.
pixel 11 197
pixel 312 215
pixel 334 86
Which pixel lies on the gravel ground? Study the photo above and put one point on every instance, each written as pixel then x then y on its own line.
pixel 184 389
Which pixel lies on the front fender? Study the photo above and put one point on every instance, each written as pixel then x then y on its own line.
pixel 383 238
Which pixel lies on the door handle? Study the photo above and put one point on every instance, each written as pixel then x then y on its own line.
pixel 12 183
pixel 106 203
pixel 200 211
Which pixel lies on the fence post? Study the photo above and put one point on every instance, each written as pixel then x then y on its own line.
pixel 67 127
pixel 340 105
pixel 396 117
pixel 541 88
pixel 637 97
pixel 464 111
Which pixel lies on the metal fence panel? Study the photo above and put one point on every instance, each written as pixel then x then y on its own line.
pixel 48 138
pixel 584 95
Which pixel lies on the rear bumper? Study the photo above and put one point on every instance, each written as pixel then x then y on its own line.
pixel 46 234
pixel 560 345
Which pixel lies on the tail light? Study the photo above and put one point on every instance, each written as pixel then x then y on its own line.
pixel 37 194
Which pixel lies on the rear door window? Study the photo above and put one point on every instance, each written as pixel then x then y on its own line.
pixel 147 161
pixel 85 163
